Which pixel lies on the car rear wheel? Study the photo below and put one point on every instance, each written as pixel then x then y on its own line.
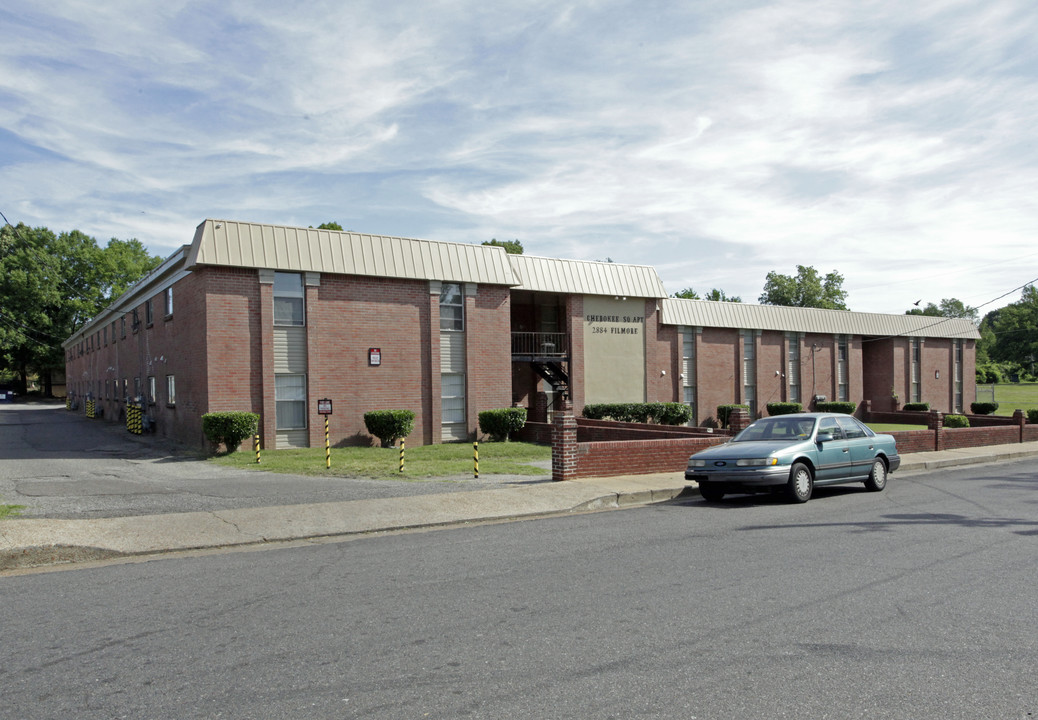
pixel 801 483
pixel 711 492
pixel 877 476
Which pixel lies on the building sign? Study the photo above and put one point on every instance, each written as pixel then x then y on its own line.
pixel 614 349
pixel 324 406
pixel 374 356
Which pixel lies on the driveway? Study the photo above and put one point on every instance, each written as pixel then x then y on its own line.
pixel 59 464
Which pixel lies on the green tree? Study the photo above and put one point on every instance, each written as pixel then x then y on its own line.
pixel 329 226
pixel 718 295
pixel 1015 328
pixel 50 285
pixel 949 307
pixel 512 247
pixel 715 294
pixel 807 289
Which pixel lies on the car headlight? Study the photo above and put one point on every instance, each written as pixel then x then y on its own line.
pixel 696 463
pixel 756 462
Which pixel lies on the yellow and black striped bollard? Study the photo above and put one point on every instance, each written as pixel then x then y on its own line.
pixel 475 459
pixel 256 445
pixel 401 454
pixel 327 445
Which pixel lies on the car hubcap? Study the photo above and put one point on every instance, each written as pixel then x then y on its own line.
pixel 803 483
pixel 879 474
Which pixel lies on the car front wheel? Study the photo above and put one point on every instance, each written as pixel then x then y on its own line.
pixel 877 476
pixel 711 492
pixel 801 483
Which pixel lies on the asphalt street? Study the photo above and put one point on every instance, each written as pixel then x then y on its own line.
pixel 915 603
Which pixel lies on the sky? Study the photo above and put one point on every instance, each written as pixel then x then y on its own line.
pixel 716 140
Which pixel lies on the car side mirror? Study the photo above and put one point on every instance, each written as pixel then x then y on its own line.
pixel 824 436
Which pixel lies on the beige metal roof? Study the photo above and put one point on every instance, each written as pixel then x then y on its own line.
pixel 225 242
pixel 584 277
pixel 706 313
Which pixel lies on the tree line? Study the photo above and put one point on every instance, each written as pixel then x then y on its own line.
pixel 51 284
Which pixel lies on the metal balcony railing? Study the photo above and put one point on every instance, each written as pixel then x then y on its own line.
pixel 540 345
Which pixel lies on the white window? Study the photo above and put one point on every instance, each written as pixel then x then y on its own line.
pixel 749 370
pixel 688 370
pixel 171 390
pixel 452 398
pixel 841 370
pixel 916 394
pixel 169 302
pixel 290 401
pixel 452 307
pixel 288 299
pixel 793 368
pixel 957 375
pixel 151 389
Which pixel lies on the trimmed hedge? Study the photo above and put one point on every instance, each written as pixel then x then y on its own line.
pixel 837 406
pixel 389 425
pixel 784 408
pixel 725 411
pixel 229 428
pixel 661 413
pixel 983 408
pixel 1032 416
pixel 917 407
pixel 500 423
pixel 956 421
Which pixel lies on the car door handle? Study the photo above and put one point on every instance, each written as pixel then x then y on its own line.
pixel 846 450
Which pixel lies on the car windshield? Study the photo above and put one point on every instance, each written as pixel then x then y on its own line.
pixel 778 429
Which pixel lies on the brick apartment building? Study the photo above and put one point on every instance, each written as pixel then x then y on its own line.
pixel 271 319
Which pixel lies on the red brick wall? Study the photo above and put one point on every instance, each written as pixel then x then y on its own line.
pixel 718 371
pixel 348 315
pixel 489 352
pixel 634 457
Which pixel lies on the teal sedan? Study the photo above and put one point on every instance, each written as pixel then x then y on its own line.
pixel 795 453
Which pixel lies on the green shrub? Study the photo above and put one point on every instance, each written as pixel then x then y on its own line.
pixel 724 411
pixel 983 408
pixel 674 413
pixel 229 428
pixel 500 423
pixel 1032 416
pixel 837 407
pixel 917 407
pixel 662 413
pixel 956 421
pixel 389 425
pixel 784 408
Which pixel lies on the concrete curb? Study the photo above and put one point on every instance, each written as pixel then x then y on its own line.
pixel 33 543
pixel 39 542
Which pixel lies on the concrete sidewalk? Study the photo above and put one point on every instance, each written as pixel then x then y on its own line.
pixel 37 542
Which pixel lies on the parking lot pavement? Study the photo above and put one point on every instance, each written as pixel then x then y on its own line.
pixel 59 464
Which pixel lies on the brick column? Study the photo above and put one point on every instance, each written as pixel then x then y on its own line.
pixel 738 420
pixel 564 444
pixel 937 424
pixel 1020 419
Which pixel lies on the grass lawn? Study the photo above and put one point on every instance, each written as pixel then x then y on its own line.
pixel 894 427
pixel 512 458
pixel 1013 396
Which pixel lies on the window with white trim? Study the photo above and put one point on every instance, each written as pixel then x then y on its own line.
pixel 915 393
pixel 793 367
pixel 288 299
pixel 841 369
pixel 749 370
pixel 290 401
pixel 452 398
pixel 171 390
pixel 452 307
pixel 688 370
